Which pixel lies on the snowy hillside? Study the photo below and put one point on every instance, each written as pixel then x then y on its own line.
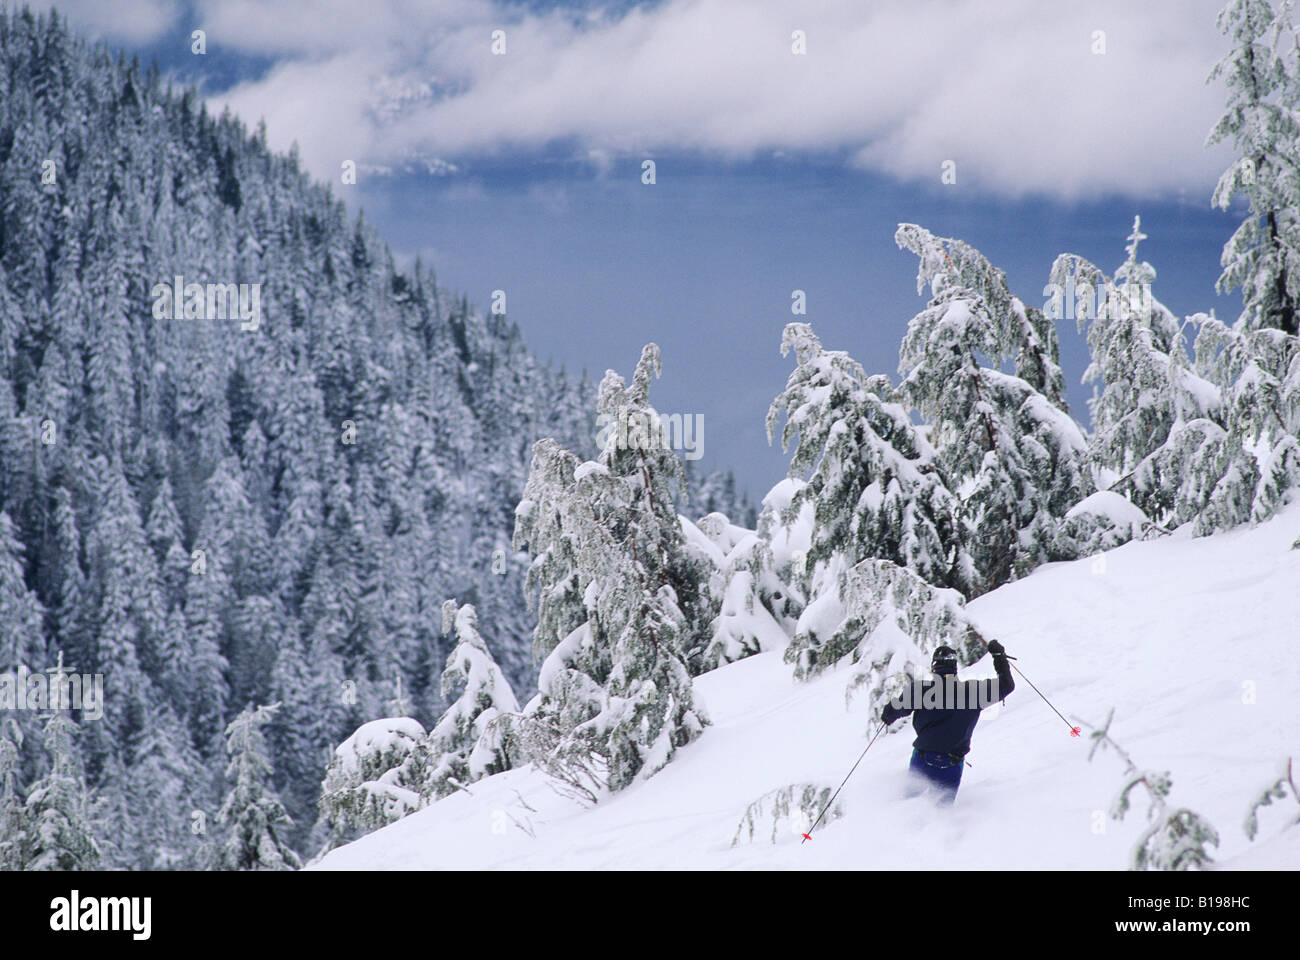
pixel 1192 641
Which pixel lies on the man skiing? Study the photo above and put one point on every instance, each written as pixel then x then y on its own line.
pixel 947 710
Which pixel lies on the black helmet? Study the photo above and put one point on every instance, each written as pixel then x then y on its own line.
pixel 944 661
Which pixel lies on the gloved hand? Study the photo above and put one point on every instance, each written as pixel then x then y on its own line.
pixel 997 649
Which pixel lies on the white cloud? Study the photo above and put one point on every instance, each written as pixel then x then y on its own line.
pixel 1011 92
pixel 126 21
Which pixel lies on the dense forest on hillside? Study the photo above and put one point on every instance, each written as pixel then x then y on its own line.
pixel 216 513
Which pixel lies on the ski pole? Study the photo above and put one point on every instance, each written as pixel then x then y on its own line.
pixel 1074 731
pixel 807 836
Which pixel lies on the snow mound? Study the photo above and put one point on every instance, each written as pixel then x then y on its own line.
pixel 378 737
pixel 1107 505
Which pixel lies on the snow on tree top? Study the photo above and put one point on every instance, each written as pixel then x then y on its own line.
pixel 379 736
pixel 589 467
pixel 779 497
pixel 698 540
pixel 1115 508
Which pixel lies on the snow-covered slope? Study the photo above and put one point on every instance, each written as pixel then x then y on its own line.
pixel 1193 642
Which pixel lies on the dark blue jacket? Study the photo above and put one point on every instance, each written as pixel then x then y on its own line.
pixel 947 726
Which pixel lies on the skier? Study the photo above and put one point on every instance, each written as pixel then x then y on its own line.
pixel 947 710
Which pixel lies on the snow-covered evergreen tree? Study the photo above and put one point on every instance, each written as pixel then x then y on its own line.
pixel 1262 120
pixel 871 476
pixel 1156 422
pixel 615 696
pixel 256 824
pixel 1004 441
pixel 71 611
pixel 640 458
pixel 111 822
pixel 207 666
pixel 458 748
pixel 556 526
pixel 788 535
pixel 752 606
pixel 165 785
pixel 546 521
pixel 300 742
pixel 374 777
pixel 1256 462
pixel 757 579
pixel 1210 442
pixel 163 528
pixel 125 582
pixel 876 490
pixel 644 587
pixel 59 835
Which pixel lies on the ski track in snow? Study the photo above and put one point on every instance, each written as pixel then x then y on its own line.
pixel 1163 636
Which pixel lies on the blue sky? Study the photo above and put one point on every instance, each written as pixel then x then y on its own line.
pixel 774 171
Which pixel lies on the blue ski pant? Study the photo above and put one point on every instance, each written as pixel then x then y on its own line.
pixel 940 771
